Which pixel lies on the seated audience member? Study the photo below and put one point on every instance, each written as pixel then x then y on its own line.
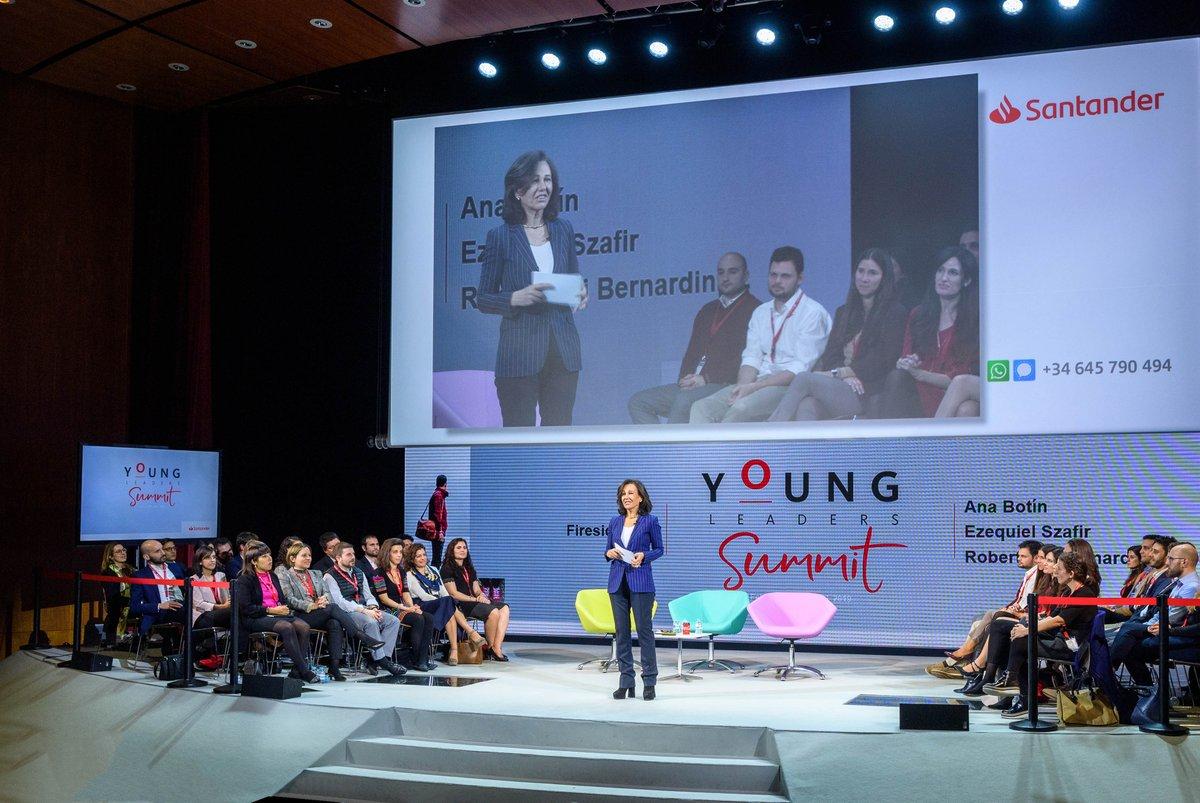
pixel 425 588
pixel 281 563
pixel 1178 581
pixel 210 606
pixel 970 240
pixel 234 567
pixel 157 604
pixel 713 353
pixel 1029 558
pixel 940 342
pixel 1133 562
pixel 304 592
pixel 170 555
pixel 462 584
pixel 1061 633
pixel 1154 578
pixel 262 610
pixel 115 563
pixel 961 399
pixel 350 590
pixel 405 539
pixel 1183 635
pixel 994 652
pixel 389 585
pixel 329 543
pixel 224 547
pixel 1083 548
pixel 868 331
pixel 784 338
pixel 369 562
pixel 1137 584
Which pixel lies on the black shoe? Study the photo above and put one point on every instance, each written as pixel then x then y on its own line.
pixel 335 673
pixel 369 642
pixel 370 667
pixel 1018 709
pixel 387 665
pixel 648 693
pixel 422 667
pixel 1002 704
pixel 620 693
pixel 973 687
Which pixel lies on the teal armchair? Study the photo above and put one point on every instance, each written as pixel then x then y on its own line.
pixel 723 613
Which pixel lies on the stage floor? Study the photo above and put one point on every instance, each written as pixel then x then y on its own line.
pixel 71 735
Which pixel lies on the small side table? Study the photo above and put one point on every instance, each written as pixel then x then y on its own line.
pixel 680 638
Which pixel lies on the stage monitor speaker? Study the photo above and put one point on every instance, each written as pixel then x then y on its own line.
pixel 89 662
pixel 271 687
pixel 934 717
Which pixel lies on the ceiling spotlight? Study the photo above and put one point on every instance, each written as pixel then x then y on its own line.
pixel 551 61
pixel 945 15
pixel 1012 7
pixel 659 49
pixel 1068 4
pixel 487 69
pixel 127 87
pixel 178 66
pixel 246 44
pixel 317 22
pixel 884 23
pixel 765 36
pixel 597 56
pixel 414 3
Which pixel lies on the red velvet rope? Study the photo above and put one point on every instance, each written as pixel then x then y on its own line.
pixel 1113 601
pixel 137 581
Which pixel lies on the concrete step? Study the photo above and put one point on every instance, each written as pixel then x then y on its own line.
pixel 649 738
pixel 368 784
pixel 575 766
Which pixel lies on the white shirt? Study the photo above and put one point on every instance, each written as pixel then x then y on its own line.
pixel 165 593
pixel 801 339
pixel 626 532
pixel 543 255
pixel 726 303
pixel 1026 587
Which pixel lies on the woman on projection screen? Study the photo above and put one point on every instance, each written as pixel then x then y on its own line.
pixel 538 357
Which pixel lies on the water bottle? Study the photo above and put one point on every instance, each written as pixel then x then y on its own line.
pixel 699 627
pixel 322 673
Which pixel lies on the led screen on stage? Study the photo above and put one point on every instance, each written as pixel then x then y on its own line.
pixel 910 538
pixel 1075 175
pixel 131 492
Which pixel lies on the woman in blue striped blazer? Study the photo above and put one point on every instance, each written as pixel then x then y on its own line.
pixel 631 584
pixel 538 356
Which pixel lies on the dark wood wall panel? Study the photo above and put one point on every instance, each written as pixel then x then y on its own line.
pixel 31 32
pixel 66 234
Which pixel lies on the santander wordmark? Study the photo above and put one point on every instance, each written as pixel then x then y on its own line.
pixel 1038 110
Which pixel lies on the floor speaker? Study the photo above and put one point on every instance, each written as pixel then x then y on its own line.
pixel 89 662
pixel 934 717
pixel 272 687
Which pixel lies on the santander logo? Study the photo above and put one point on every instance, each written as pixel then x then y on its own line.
pixel 1005 113
pixel 1037 109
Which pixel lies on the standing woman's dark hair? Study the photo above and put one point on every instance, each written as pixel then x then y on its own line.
pixel 520 177
pixel 857 319
pixel 646 505
pixel 966 320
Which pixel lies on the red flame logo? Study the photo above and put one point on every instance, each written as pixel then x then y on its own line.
pixel 1005 113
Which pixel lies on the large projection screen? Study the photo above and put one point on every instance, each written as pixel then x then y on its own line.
pixel 1079 171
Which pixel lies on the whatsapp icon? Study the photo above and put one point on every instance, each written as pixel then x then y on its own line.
pixel 997 371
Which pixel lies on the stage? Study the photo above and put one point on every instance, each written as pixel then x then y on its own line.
pixel 537 728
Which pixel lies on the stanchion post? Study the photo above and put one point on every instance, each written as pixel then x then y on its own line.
pixel 1031 693
pixel 1163 727
pixel 189 679
pixel 233 686
pixel 35 637
pixel 77 617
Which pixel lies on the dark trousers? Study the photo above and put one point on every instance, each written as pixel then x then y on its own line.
pixel 217 617
pixel 420 633
pixel 642 603
pixel 998 640
pixel 1129 636
pixel 435 547
pixel 1146 651
pixel 551 391
pixel 899 397
pixel 327 619
pixel 1018 655
pixel 115 605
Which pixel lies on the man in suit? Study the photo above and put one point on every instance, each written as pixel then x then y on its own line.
pixel 329 545
pixel 1134 631
pixel 369 562
pixel 713 353
pixel 171 555
pixel 538 356
pixel 157 604
pixel 235 563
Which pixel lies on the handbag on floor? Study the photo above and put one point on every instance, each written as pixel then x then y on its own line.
pixel 470 652
pixel 1085 706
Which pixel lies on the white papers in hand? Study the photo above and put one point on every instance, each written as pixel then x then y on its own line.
pixel 626 555
pixel 568 287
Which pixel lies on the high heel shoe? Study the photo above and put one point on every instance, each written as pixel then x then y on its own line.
pixel 452 659
pixel 973 687
pixel 648 693
pixel 620 693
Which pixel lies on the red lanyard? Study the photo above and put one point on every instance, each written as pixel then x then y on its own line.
pixel 308 583
pixel 349 579
pixel 775 334
pixel 716 324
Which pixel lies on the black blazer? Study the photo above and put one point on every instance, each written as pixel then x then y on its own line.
pixel 250 597
pixel 525 332
pixel 874 360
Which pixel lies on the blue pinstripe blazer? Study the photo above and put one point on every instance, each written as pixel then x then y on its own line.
pixel 525 331
pixel 646 538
